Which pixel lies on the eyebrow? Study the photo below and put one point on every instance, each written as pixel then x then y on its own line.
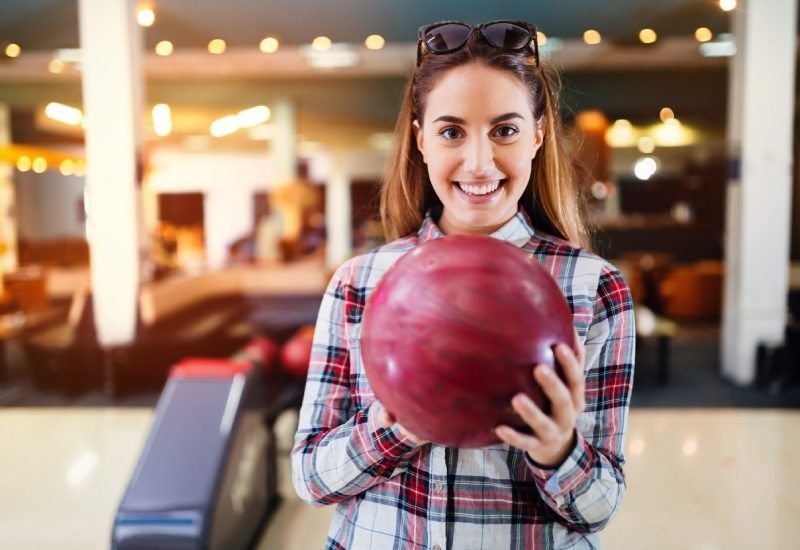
pixel 495 120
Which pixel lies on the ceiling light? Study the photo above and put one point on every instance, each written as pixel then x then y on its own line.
pixel 23 163
pixel 648 36
pixel 621 134
pixel 80 168
pixel 39 165
pixel 374 42
pixel 666 114
pixel 64 113
pixel 164 48
pixel 67 167
pixel 269 45
pixel 224 126
pixel 13 50
pixel 646 145
pixel 253 116
pixel 146 17
pixel 162 119
pixel 216 46
pixel 592 37
pixel 56 66
pixel 321 43
pixel 703 34
pixel 727 5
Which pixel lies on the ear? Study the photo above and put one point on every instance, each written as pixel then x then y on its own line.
pixel 418 136
pixel 538 139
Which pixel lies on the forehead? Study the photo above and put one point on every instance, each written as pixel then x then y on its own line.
pixel 477 92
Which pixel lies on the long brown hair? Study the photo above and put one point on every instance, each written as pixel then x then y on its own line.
pixel 553 199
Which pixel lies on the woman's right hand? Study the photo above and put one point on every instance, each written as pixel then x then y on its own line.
pixel 388 420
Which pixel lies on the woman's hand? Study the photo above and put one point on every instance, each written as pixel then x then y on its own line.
pixel 553 436
pixel 388 420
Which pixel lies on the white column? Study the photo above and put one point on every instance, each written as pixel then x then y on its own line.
pixel 284 144
pixel 338 207
pixel 8 223
pixel 112 95
pixel 761 111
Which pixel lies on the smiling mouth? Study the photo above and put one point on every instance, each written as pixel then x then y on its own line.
pixel 481 189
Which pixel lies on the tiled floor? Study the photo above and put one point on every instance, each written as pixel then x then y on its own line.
pixel 697 479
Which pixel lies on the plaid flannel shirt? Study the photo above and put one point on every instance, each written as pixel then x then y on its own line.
pixel 391 493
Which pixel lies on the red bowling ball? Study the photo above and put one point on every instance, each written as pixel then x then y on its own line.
pixel 296 352
pixel 452 332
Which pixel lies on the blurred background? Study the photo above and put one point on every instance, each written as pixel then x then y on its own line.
pixel 179 179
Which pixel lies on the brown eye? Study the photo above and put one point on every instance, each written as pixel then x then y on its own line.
pixel 450 133
pixel 506 131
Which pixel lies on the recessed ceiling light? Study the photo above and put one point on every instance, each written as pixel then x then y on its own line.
pixel 164 48
pixel 374 42
pixel 592 37
pixel 269 45
pixel 216 46
pixel 321 43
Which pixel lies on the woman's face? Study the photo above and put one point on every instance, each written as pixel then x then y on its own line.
pixel 478 138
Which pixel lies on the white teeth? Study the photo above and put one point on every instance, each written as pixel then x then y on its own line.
pixel 484 189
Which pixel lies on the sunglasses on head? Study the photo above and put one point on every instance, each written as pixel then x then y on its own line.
pixel 449 36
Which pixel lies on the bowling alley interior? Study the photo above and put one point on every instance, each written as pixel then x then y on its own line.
pixel 179 181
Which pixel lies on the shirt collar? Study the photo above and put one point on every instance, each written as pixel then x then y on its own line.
pixel 518 230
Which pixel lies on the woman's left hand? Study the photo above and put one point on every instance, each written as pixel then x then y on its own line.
pixel 553 436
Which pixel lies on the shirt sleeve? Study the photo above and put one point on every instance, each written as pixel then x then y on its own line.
pixel 340 452
pixel 586 490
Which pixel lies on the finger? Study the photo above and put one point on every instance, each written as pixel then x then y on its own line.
pixel 573 372
pixel 516 439
pixel 542 425
pixel 563 407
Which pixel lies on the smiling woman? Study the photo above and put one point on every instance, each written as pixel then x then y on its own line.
pixel 480 150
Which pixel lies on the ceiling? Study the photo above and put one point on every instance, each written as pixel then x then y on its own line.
pixel 621 76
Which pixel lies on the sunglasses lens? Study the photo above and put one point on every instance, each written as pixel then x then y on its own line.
pixel 507 36
pixel 447 37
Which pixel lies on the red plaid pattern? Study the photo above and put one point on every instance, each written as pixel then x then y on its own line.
pixel 391 493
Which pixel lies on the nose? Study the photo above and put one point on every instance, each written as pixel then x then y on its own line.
pixel 478 156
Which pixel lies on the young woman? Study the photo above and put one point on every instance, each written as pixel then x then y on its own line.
pixel 479 150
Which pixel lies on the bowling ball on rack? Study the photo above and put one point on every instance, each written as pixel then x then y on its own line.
pixel 453 330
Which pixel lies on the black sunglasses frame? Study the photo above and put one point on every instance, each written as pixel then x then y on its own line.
pixel 530 28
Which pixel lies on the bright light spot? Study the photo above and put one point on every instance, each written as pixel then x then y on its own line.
pixel 592 37
pixel 146 17
pixel 23 164
pixel 269 45
pixel 162 119
pixel 646 145
pixel 727 5
pixel 645 321
pixel 666 114
pixel 64 113
pixel 13 50
pixel 541 38
pixel 671 133
pixel 56 66
pixel 321 43
pixel 253 116
pixel 67 167
pixel 636 447
pixel 648 36
pixel 703 34
pixel 620 134
pixel 374 42
pixel 689 447
pixel 645 167
pixel 39 165
pixel 599 190
pixel 682 212
pixel 224 126
pixel 216 46
pixel 723 46
pixel 81 468
pixel 164 48
pixel 80 168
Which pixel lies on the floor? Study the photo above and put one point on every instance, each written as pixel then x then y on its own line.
pixel 697 479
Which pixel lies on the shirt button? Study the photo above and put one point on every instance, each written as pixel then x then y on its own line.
pixel 437 487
